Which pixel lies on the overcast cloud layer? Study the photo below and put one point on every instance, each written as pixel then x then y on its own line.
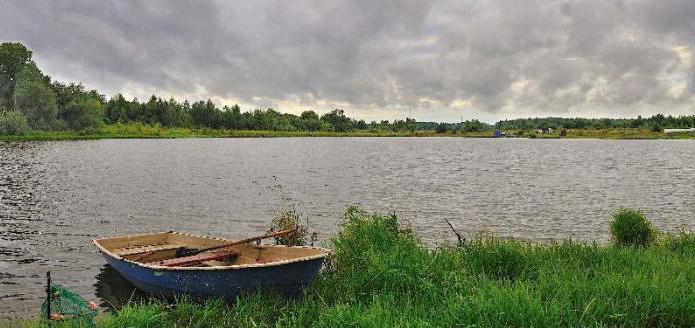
pixel 435 60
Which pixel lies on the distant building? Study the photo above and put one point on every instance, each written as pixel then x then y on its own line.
pixel 679 130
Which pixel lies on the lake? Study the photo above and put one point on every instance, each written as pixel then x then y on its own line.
pixel 57 196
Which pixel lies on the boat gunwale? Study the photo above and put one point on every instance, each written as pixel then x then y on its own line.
pixel 325 253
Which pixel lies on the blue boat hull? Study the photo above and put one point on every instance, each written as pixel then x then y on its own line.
pixel 288 279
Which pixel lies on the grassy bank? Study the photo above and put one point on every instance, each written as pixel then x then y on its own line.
pixel 130 131
pixel 126 131
pixel 612 134
pixel 382 276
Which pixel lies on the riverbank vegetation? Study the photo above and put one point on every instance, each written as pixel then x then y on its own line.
pixel 381 275
pixel 142 131
pixel 35 107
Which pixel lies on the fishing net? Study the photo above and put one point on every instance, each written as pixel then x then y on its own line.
pixel 69 306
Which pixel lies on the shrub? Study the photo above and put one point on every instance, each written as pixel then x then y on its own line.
pixel 657 128
pixel 285 221
pixel 630 227
pixel 563 132
pixel 13 123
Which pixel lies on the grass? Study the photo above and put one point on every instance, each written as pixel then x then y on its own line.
pixel 129 131
pixel 137 130
pixel 616 133
pixel 381 275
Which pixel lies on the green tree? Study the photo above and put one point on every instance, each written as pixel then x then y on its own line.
pixel 13 57
pixel 205 114
pixel 35 99
pixel 310 121
pixel 338 121
pixel 117 109
pixel 442 128
pixel 13 123
pixel 83 112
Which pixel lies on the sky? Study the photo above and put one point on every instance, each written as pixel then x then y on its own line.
pixel 431 60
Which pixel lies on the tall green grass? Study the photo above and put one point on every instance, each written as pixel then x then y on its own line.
pixel 381 275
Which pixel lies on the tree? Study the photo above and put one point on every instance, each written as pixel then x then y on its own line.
pixel 310 121
pixel 309 115
pixel 338 121
pixel 442 128
pixel 410 124
pixel 474 126
pixel 231 117
pixel 205 114
pixel 117 109
pixel 83 112
pixel 35 99
pixel 13 57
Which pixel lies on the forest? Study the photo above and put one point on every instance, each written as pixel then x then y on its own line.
pixel 32 101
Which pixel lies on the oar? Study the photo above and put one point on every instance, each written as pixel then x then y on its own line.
pixel 183 251
pixel 238 242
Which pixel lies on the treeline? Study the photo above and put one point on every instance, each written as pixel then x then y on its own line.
pixel 30 100
pixel 655 122
pixel 204 114
pixel 465 126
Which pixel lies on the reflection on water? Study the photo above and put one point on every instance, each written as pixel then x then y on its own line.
pixel 114 291
pixel 57 196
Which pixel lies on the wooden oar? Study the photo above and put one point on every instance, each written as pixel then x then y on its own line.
pixel 238 242
pixel 183 251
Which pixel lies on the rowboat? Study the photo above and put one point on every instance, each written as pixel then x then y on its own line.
pixel 174 263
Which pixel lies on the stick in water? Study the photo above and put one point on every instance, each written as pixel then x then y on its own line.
pixel 458 235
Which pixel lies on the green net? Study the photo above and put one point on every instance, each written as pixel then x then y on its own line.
pixel 69 306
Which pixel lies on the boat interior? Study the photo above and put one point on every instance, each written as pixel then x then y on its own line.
pixel 164 249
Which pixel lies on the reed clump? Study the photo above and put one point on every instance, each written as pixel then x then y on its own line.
pixel 381 275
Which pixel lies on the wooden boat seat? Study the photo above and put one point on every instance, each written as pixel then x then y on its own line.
pixel 196 259
pixel 140 249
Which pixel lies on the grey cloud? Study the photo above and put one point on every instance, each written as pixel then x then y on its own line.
pixel 506 58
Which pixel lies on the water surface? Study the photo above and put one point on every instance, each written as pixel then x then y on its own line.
pixel 56 196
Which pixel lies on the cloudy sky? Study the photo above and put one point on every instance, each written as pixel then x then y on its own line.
pixel 434 60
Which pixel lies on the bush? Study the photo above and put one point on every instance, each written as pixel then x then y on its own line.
pixel 630 227
pixel 657 128
pixel 287 220
pixel 13 123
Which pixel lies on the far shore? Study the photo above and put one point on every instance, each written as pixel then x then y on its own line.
pixel 137 131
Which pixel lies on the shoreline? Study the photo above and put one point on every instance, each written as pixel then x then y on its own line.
pixel 379 266
pixel 155 132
